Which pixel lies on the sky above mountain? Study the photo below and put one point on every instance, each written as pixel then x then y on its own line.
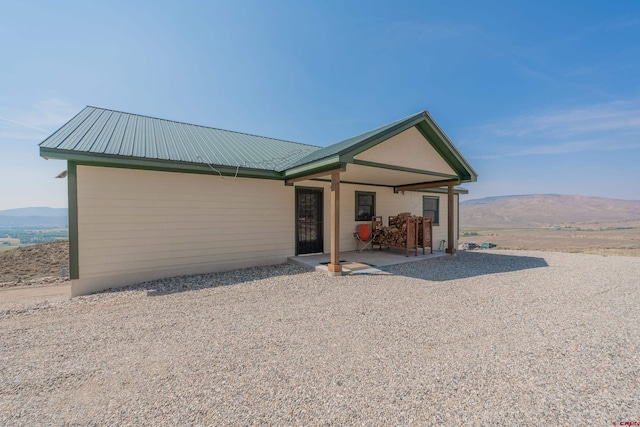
pixel 540 97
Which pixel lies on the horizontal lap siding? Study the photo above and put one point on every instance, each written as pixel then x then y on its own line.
pixel 134 221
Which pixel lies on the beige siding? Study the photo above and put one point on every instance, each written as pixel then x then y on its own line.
pixel 388 204
pixel 139 225
pixel 395 150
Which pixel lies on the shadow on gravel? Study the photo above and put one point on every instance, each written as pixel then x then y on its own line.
pixel 196 282
pixel 467 264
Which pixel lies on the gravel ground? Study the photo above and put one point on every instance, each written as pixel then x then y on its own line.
pixel 484 338
pixel 37 282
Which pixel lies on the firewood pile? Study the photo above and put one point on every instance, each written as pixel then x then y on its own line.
pixel 401 230
pixel 404 231
pixel 425 233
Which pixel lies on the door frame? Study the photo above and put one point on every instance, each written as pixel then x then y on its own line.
pixel 321 208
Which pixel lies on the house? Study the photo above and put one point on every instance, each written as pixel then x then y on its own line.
pixel 152 198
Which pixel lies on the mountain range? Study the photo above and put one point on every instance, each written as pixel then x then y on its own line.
pixel 542 210
pixel 533 210
pixel 34 217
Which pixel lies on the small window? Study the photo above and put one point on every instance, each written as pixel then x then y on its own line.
pixel 431 208
pixel 365 205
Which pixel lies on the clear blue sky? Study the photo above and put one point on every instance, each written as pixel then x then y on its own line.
pixel 541 97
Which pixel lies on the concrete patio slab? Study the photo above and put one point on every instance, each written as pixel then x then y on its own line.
pixel 365 262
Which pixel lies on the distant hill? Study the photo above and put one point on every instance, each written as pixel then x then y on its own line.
pixel 541 210
pixel 36 211
pixel 34 217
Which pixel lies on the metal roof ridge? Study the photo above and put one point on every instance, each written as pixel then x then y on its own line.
pixel 202 126
pixel 381 129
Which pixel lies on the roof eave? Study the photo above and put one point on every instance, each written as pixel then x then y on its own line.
pixel 324 164
pixel 107 160
pixel 349 153
pixel 456 190
pixel 473 175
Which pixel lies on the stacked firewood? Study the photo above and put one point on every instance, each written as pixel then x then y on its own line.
pixel 400 227
pixel 425 237
pixel 404 231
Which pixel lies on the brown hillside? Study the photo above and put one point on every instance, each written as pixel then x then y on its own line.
pixel 547 210
pixel 29 262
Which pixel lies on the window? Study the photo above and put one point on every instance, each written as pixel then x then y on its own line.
pixel 365 205
pixel 431 208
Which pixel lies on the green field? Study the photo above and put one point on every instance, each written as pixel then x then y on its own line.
pixel 8 243
pixel 11 237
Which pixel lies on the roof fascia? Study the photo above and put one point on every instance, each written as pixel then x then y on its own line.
pixel 354 183
pixel 323 172
pixel 439 190
pixel 402 169
pixel 425 185
pixel 310 168
pixel 446 148
pixel 348 154
pixel 107 160
pixel 317 172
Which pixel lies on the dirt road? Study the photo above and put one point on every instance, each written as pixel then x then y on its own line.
pixel 30 293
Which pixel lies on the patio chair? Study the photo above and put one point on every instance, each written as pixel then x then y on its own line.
pixel 364 235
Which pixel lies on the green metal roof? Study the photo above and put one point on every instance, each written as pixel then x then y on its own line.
pixel 348 144
pixel 102 136
pixel 100 131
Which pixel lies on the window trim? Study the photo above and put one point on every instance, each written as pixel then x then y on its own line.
pixel 373 205
pixel 437 211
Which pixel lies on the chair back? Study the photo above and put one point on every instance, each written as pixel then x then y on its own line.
pixel 364 231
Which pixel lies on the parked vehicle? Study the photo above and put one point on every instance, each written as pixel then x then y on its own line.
pixel 471 245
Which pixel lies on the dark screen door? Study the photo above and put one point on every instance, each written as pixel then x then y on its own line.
pixel 309 220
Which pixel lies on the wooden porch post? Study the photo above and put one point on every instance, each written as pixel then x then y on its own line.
pixel 450 220
pixel 335 269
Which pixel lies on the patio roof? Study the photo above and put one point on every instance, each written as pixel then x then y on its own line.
pixel 375 170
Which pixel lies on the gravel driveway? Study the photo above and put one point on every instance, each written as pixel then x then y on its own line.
pixel 484 338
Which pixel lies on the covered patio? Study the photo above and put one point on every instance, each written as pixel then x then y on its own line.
pixel 410 155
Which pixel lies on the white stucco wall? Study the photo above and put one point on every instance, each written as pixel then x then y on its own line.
pixel 136 225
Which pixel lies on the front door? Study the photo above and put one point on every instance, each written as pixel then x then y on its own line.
pixel 309 220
